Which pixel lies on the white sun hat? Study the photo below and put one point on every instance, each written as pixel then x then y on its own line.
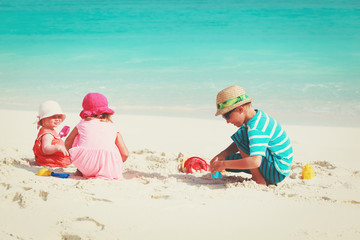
pixel 50 108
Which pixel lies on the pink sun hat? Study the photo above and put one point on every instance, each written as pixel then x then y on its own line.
pixel 95 104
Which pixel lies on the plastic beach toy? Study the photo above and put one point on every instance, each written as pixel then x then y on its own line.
pixel 216 175
pixel 194 164
pixel 64 131
pixel 308 172
pixel 60 175
pixel 46 172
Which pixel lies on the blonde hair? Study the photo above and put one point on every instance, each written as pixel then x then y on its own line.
pixel 104 117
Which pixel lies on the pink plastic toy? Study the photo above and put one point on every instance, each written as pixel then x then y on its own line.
pixel 64 132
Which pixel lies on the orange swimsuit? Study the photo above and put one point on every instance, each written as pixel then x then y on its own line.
pixel 53 160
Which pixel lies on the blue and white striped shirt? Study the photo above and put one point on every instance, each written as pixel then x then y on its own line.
pixel 264 133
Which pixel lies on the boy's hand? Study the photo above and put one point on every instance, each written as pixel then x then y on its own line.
pixel 213 160
pixel 216 165
pixel 217 158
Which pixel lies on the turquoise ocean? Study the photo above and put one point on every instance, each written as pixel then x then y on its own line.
pixel 299 60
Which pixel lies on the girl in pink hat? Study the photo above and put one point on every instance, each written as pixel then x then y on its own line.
pixel 95 145
pixel 49 149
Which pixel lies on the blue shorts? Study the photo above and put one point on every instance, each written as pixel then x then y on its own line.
pixel 267 167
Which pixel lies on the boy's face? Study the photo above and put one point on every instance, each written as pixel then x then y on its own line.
pixel 52 122
pixel 236 117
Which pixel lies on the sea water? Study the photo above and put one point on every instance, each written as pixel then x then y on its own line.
pixel 298 59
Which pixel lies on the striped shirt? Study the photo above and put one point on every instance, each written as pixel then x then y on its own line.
pixel 265 133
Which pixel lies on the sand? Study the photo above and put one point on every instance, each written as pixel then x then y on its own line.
pixel 156 201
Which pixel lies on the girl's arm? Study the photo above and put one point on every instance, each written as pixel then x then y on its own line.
pixel 70 139
pixel 49 149
pixel 122 147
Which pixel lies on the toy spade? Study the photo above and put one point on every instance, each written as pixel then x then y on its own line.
pixel 64 131
pixel 46 172
pixel 216 175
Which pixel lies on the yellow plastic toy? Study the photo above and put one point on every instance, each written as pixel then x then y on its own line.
pixel 44 172
pixel 308 172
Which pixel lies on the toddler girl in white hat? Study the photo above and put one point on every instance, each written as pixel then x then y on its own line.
pixel 49 148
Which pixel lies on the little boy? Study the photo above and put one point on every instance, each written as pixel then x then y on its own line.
pixel 261 147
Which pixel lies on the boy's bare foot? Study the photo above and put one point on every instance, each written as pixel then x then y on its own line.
pixel 257 176
pixel 259 181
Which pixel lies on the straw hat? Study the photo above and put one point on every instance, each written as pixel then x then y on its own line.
pixel 50 108
pixel 95 104
pixel 230 98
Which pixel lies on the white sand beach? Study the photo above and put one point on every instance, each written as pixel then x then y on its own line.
pixel 156 201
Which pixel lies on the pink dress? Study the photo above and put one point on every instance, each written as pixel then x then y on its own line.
pixel 94 151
